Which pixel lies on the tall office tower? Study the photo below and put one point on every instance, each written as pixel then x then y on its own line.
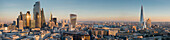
pixel 142 23
pixel 28 19
pixel 21 24
pixel 141 17
pixel 24 19
pixel 19 18
pixel 37 22
pixel 51 17
pixel 54 20
pixel 73 20
pixel 148 22
pixel 42 18
pixel 32 24
pixel 37 13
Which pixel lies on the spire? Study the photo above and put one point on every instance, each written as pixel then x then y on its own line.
pixel 42 9
pixel 141 15
pixel 51 17
pixel 142 23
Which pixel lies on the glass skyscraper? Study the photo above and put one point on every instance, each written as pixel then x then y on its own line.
pixel 73 20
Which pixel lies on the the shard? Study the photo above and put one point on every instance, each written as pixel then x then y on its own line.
pixel 142 23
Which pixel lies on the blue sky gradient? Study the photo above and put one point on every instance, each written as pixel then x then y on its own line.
pixel 90 10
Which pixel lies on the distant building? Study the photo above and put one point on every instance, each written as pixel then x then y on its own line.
pixel 28 19
pixel 37 14
pixel 67 21
pixel 32 24
pixel 42 18
pixel 134 28
pixel 51 17
pixel 100 32
pixel 54 20
pixel 21 24
pixel 141 17
pixel 73 35
pixel 24 16
pixel 11 27
pixel 14 23
pixel 142 23
pixel 64 22
pixel 5 25
pixel 113 32
pixel 37 21
pixel 19 18
pixel 73 20
pixel 148 22
pixel 51 24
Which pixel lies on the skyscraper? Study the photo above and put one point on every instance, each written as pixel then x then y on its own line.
pixel 141 17
pixel 37 14
pixel 73 20
pixel 51 17
pixel 148 22
pixel 42 18
pixel 142 23
pixel 24 19
pixel 28 19
pixel 37 22
pixel 19 18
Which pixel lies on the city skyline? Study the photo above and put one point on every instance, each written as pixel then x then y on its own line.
pixel 87 20
pixel 90 10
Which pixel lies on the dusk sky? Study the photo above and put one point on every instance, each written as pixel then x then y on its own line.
pixel 90 10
